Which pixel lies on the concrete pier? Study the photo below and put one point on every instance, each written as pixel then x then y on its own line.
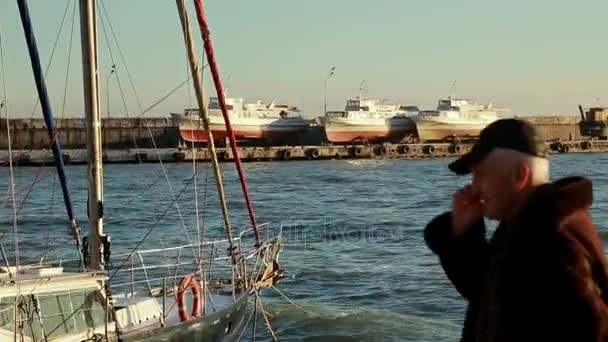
pixel 280 153
pixel 119 133
pixel 79 156
pixel 378 151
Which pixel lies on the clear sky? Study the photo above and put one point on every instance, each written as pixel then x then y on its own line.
pixel 532 56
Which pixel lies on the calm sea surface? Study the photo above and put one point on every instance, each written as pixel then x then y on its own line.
pixel 354 255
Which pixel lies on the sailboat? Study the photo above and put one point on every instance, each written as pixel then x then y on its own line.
pixel 181 299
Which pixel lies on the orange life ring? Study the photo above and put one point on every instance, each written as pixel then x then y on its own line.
pixel 188 282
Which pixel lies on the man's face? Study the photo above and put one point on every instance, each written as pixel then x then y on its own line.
pixel 495 185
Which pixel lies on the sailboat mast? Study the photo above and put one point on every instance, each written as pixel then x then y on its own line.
pixel 198 87
pixel 204 27
pixel 90 68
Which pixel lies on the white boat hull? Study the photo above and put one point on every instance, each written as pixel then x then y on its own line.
pixel 226 324
pixel 345 130
pixel 436 130
pixel 244 129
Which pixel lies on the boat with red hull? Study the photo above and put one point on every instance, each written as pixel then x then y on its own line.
pixel 250 121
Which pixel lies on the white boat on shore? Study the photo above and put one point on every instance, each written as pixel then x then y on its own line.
pixel 370 121
pixel 250 121
pixel 454 118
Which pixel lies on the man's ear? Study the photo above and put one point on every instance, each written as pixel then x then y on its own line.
pixel 523 174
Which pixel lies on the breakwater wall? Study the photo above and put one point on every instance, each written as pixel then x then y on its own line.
pixel 556 127
pixel 133 133
pixel 119 133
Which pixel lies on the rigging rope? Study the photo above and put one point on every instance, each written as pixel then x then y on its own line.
pixel 12 187
pixel 130 78
pixel 67 71
pixel 146 188
pixel 122 57
pixel 162 166
pixel 196 210
pixel 115 71
pixel 52 207
pixel 183 16
pixel 154 225
pixel 18 192
pixel 31 187
pixel 196 206
pixel 164 97
pixel 266 319
pixel 204 202
pixel 255 319
pixel 48 66
pixel 294 303
pixel 11 171
pixel 51 249
pixel 254 311
pixel 202 21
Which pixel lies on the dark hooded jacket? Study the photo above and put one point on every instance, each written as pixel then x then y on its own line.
pixel 542 277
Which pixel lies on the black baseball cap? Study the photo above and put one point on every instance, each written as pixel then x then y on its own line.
pixel 513 134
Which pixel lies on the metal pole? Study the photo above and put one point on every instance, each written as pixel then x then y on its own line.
pixel 90 67
pixel 164 299
pixel 108 89
pixel 132 277
pixel 329 75
pixel 325 97
pixel 108 95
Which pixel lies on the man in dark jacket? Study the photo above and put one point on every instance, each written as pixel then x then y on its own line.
pixel 542 276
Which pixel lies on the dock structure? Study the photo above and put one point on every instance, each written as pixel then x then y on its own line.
pixel 362 151
pixel 131 140
pixel 281 153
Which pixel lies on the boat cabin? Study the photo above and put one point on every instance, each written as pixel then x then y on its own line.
pixel 51 304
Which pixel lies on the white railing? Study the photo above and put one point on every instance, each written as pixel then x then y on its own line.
pixel 135 268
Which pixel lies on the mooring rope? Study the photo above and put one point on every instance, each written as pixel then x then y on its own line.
pixel 295 304
pixel 265 315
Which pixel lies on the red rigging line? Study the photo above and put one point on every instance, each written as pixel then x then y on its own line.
pixel 204 27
